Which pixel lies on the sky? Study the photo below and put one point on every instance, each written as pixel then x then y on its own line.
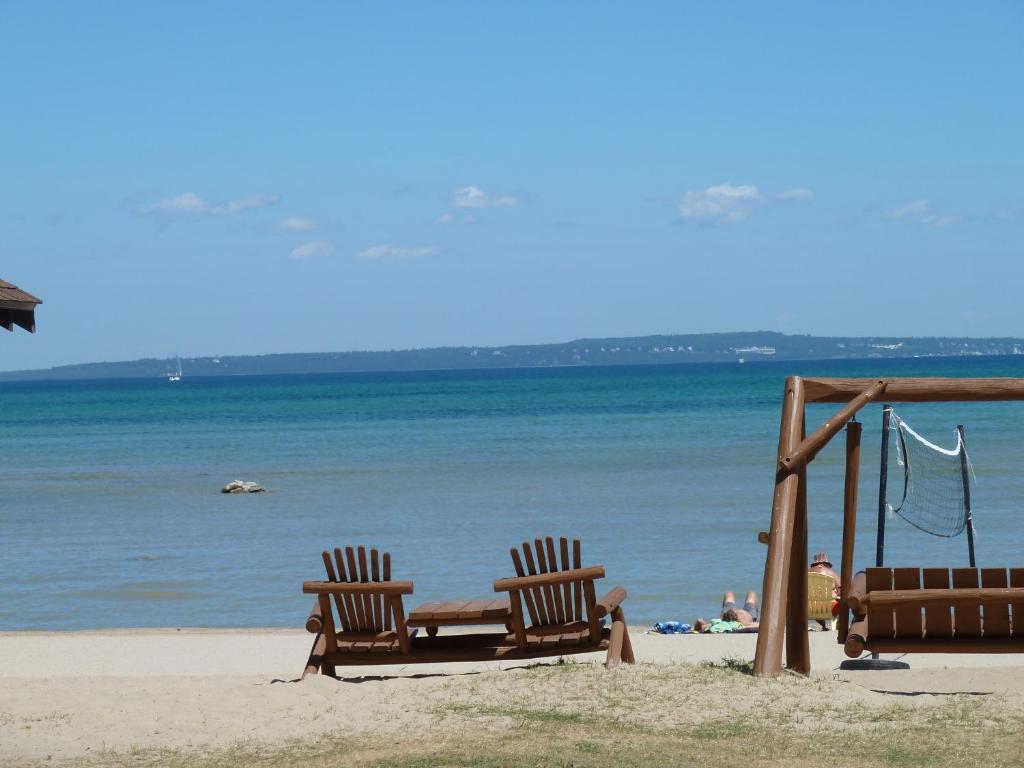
pixel 203 178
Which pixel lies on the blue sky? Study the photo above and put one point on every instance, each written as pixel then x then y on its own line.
pixel 234 178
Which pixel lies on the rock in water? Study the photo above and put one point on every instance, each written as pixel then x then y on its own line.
pixel 242 486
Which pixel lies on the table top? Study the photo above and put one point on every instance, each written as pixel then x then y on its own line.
pixel 488 611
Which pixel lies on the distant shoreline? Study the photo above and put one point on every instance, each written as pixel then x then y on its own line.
pixel 728 348
pixel 8 377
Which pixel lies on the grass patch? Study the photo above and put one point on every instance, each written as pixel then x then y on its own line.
pixel 582 716
pixel 728 664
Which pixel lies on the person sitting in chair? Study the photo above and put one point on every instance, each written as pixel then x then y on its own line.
pixel 821 564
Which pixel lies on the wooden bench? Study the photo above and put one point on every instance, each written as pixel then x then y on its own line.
pixel 366 624
pixel 936 610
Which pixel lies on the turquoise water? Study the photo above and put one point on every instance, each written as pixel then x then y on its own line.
pixel 112 516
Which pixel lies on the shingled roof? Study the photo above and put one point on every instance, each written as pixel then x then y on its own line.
pixel 17 307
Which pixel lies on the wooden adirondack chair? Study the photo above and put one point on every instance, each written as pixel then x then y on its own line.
pixel 560 599
pixel 371 617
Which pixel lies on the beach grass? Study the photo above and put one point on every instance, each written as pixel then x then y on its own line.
pixel 581 715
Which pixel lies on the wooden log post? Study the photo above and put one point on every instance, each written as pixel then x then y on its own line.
pixel 614 657
pixel 518 623
pixel 316 655
pixel 768 658
pixel 917 390
pixel 618 617
pixel 798 652
pixel 853 433
pixel 809 447
pixel 330 640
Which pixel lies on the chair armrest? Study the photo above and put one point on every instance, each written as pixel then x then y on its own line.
pixel 549 579
pixel 315 621
pixel 357 587
pixel 856 638
pixel 610 601
pixel 858 590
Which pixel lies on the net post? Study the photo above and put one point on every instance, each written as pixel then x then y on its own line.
pixel 883 482
pixel 966 475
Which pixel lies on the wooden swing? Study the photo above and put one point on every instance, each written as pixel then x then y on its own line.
pixel 961 610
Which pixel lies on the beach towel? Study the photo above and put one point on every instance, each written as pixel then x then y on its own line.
pixel 672 628
pixel 720 626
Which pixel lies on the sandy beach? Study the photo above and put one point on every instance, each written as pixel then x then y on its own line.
pixel 174 697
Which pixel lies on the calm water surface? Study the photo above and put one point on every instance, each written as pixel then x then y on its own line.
pixel 111 513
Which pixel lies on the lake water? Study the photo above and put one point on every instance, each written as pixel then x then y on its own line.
pixel 112 517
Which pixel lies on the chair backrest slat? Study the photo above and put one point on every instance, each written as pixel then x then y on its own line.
pixel 350 601
pixel 387 577
pixel 938 619
pixel 339 601
pixel 966 617
pixel 909 618
pixel 548 591
pixel 1017 619
pixel 364 577
pixel 577 588
pixel 556 591
pixel 996 622
pixel 538 592
pixel 378 600
pixel 563 546
pixel 353 576
pixel 880 620
pixel 528 594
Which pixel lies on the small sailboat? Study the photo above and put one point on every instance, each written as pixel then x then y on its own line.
pixel 175 375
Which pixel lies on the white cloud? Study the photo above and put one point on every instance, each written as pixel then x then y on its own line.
pixel 937 222
pixel 719 204
pixel 798 195
pixel 920 212
pixel 191 204
pixel 298 223
pixel 474 197
pixel 914 208
pixel 312 250
pixel 450 218
pixel 389 252
pixel 245 204
pixel 188 202
pixel 1008 214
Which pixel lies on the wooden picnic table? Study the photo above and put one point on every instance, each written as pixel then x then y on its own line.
pixel 460 613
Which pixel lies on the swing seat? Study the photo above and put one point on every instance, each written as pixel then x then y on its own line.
pixel 936 610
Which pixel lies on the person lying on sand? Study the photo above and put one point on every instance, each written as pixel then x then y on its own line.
pixel 732 619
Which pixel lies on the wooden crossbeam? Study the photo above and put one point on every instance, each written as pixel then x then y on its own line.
pixel 808 448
